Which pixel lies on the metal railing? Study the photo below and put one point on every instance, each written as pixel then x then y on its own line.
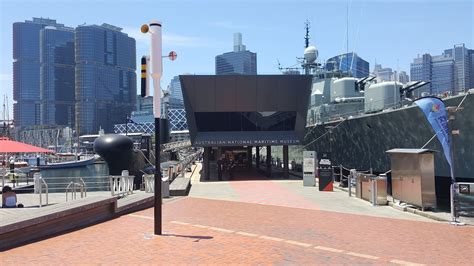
pixel 149 183
pixel 71 187
pixel 58 184
pixel 40 184
pixel 351 177
pixel 121 185
pixel 17 177
pixel 175 145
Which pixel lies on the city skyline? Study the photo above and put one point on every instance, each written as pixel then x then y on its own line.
pixel 197 37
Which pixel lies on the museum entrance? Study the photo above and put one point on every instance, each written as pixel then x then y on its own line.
pixel 228 163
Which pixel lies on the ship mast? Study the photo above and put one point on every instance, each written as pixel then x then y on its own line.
pixel 306 37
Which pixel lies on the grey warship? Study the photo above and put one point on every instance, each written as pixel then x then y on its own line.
pixel 358 120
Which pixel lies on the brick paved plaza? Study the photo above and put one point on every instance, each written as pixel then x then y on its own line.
pixel 259 222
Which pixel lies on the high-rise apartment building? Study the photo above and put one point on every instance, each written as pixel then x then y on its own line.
pixel 239 61
pixel 348 63
pixel 26 68
pixel 105 77
pixel 57 93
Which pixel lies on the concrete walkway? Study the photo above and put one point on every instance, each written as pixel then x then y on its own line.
pixel 292 193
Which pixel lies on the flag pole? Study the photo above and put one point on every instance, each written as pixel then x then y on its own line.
pixel 452 192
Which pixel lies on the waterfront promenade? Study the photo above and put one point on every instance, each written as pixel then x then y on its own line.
pixel 258 221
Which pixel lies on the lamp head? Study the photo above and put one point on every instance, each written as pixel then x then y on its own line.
pixel 144 28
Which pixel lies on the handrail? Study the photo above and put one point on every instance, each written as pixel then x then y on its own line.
pixel 67 189
pixel 41 183
pixel 84 186
pixel 72 185
pixel 175 145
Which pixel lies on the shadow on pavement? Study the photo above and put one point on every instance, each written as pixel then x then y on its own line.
pixel 192 237
pixel 247 175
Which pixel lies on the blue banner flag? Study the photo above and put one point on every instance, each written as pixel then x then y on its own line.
pixel 435 112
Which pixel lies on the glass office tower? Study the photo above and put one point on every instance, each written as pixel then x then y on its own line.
pixel 349 63
pixel 105 77
pixel 57 96
pixel 240 61
pixel 26 70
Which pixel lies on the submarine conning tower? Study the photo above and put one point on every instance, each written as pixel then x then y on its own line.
pixel 116 150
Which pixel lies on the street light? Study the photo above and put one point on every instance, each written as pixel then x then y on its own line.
pixel 156 59
pixel 154 28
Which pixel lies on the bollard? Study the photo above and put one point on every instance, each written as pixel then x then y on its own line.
pixel 374 191
pixel 454 214
pixel 349 180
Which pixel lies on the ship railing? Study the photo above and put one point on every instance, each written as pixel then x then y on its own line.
pixel 332 116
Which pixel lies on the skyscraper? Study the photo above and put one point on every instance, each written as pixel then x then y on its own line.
pixel 462 67
pixel 175 89
pixel 383 74
pixel 57 93
pixel 349 63
pixel 239 61
pixel 105 77
pixel 26 69
pixel 451 71
pixel 402 77
pixel 387 74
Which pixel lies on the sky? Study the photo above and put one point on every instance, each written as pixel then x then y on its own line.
pixel 389 32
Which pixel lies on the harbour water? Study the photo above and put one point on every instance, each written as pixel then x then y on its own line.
pixel 95 177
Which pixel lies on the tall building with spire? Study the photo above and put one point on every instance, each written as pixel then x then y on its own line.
pixel 239 61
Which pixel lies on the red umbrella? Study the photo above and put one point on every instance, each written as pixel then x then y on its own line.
pixel 10 146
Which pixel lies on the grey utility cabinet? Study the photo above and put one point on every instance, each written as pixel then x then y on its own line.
pixel 413 179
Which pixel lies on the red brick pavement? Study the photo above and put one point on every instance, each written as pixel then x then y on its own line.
pixel 272 193
pixel 128 239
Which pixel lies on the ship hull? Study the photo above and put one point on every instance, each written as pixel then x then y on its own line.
pixel 362 142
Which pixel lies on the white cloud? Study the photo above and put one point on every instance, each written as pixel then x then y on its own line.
pixel 171 39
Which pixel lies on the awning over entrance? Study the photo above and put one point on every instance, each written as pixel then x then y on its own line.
pixel 247 110
pixel 276 138
pixel 11 146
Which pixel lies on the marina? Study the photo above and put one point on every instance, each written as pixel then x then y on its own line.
pixel 131 135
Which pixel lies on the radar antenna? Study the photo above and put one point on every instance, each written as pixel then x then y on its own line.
pixel 306 37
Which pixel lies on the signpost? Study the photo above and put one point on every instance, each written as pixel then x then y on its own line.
pixel 325 172
pixel 309 168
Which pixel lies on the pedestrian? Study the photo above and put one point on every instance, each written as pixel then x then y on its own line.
pixel 9 199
